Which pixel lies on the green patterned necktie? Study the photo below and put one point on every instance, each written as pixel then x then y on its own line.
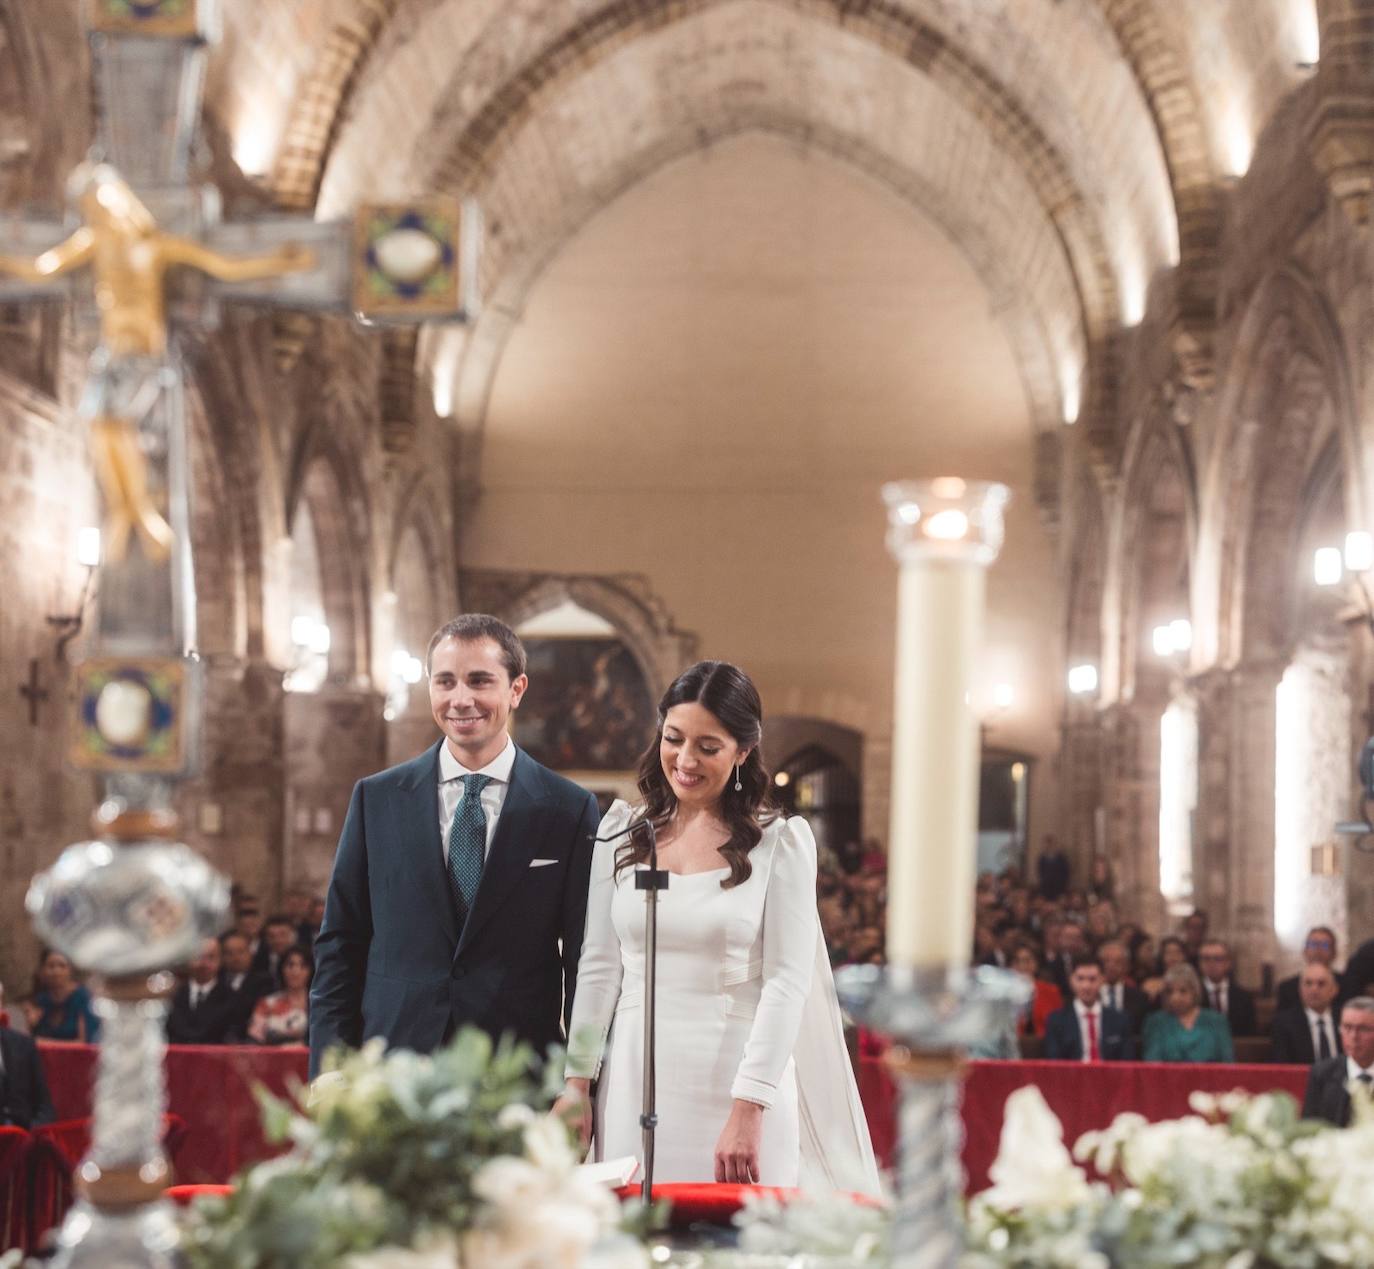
pixel 467 843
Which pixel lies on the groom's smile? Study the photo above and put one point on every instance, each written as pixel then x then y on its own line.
pixel 471 696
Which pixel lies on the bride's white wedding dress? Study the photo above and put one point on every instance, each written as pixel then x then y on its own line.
pixel 746 1008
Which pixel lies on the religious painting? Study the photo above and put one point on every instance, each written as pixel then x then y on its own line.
pixel 588 706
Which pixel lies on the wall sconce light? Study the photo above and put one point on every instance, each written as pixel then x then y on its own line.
pixel 1082 679
pixel 1172 638
pixel 1330 566
pixel 310 666
pixel 68 625
pixel 406 671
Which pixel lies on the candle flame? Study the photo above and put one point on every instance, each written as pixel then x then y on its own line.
pixel 948 525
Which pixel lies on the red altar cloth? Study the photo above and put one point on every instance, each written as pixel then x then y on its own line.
pixel 1084 1097
pixel 209 1086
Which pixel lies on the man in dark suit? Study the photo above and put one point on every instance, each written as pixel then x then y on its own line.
pixel 278 938
pixel 459 891
pixel 1310 1032
pixel 1221 992
pixel 1332 1084
pixel 202 1009
pixel 244 986
pixel 1358 979
pixel 1318 949
pixel 24 1100
pixel 1117 993
pixel 1086 1030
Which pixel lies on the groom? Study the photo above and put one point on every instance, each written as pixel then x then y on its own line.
pixel 460 884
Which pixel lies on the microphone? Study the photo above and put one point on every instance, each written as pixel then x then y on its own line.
pixel 653 877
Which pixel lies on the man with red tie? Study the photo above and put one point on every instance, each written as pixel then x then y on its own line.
pixel 1086 1030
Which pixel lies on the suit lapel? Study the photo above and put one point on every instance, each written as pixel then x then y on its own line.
pixel 508 863
pixel 418 832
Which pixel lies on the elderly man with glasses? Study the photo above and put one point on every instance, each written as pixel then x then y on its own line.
pixel 1334 1084
pixel 1318 949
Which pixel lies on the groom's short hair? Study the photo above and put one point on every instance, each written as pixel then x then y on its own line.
pixel 472 626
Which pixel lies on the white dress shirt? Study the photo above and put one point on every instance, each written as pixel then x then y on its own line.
pixel 1316 1023
pixel 451 773
pixel 1082 1011
pixel 1220 990
pixel 1353 1071
pixel 198 991
pixel 1114 996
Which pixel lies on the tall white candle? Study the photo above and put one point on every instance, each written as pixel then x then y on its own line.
pixel 944 533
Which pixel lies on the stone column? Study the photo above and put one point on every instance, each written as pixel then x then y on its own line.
pixel 1234 849
pixel 1081 805
pixel 1130 793
pixel 334 737
pixel 232 812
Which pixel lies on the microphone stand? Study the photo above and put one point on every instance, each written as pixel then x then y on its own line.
pixel 651 880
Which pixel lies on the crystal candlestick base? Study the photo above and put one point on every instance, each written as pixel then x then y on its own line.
pixel 933 1016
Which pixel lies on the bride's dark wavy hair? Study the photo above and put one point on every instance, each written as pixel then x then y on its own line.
pixel 730 695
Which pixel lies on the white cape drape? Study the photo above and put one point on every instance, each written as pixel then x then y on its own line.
pixel 836 1148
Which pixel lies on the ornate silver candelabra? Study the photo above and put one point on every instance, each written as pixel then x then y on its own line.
pixel 934 1017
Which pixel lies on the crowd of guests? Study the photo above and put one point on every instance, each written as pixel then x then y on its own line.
pixel 1102 987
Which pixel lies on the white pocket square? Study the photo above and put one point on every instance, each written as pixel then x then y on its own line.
pixel 542 863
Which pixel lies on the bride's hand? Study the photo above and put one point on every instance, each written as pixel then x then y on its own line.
pixel 737 1150
pixel 574 1108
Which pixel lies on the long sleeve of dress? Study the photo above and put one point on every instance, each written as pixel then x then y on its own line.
pixel 599 969
pixel 789 951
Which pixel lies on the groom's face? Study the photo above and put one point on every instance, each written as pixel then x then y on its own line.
pixel 471 696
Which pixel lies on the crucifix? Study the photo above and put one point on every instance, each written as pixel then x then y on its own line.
pixel 33 692
pixel 146 242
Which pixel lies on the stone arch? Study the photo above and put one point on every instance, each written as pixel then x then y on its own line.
pixel 1155 540
pixel 462 160
pixel 322 103
pixel 1172 95
pixel 1035 335
pixel 1273 421
pixel 625 601
pixel 482 147
pixel 325 479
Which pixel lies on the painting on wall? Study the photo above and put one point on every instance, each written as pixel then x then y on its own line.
pixel 588 706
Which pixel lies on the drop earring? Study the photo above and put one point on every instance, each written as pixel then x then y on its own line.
pixel 738 786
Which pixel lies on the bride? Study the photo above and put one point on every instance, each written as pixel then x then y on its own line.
pixel 753 1080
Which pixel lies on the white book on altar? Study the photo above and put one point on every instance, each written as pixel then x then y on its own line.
pixel 612 1172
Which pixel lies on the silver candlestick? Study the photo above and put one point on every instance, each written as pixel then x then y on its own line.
pixel 130 901
pixel 934 1017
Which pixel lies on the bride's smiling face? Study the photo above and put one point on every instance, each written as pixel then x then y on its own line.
pixel 697 754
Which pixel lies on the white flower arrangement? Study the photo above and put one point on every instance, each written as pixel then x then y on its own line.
pixel 400 1161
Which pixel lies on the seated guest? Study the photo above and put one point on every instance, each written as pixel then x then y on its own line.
pixel 1117 991
pixel 245 987
pixel 1222 993
pixel 1331 1084
pixel 24 1100
pixel 314 920
pixel 1087 1030
pixel 202 1010
pixel 295 906
pixel 1183 1031
pixel 1308 1033
pixel 248 920
pixel 1358 979
pixel 1318 949
pixel 278 937
pixel 1171 953
pixel 282 1017
pixel 63 1006
pixel 1195 927
pixel 1045 998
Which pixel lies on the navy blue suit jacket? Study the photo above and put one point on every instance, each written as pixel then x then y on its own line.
pixel 391 960
pixel 1063 1041
pixel 25 1102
